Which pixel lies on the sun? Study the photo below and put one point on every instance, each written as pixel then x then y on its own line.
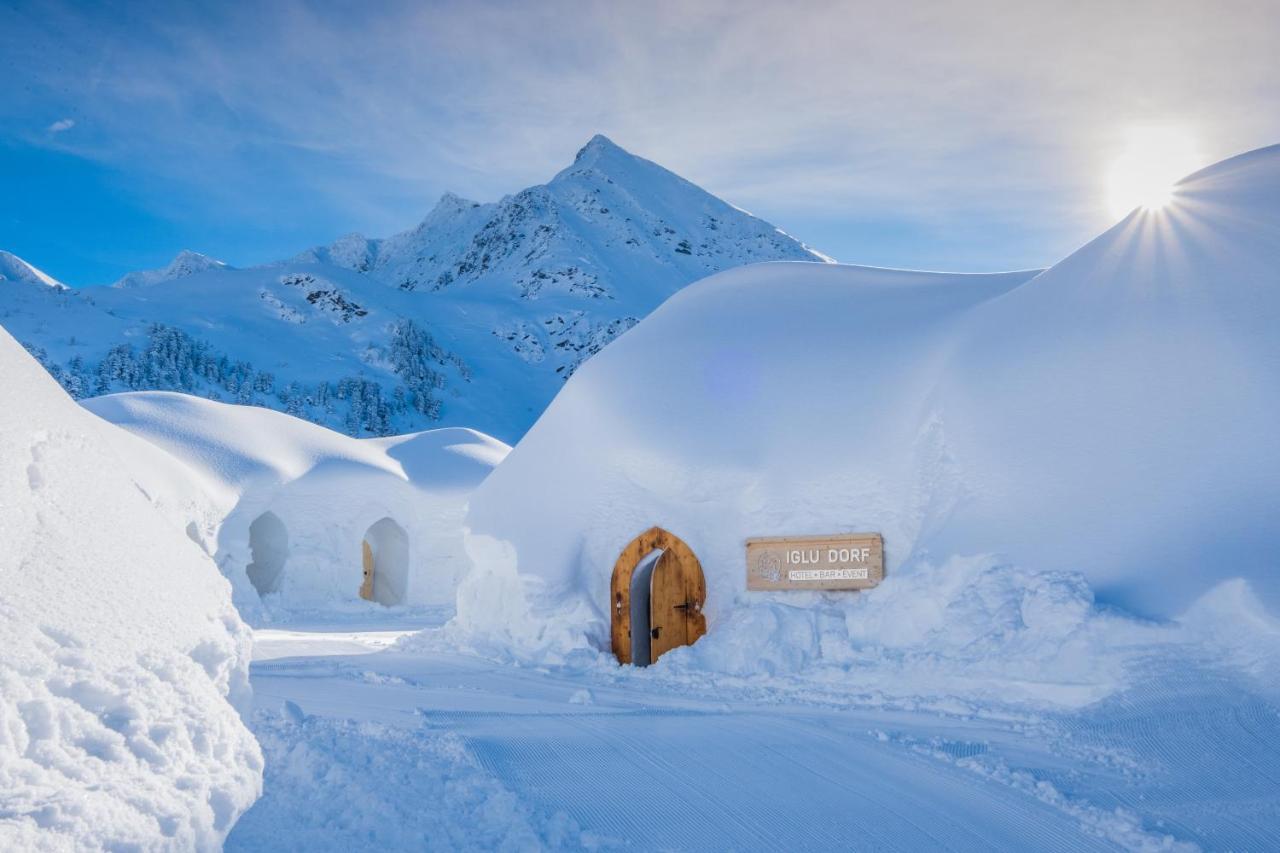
pixel 1145 173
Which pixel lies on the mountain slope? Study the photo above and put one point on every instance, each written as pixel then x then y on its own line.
pixel 14 268
pixel 474 317
pixel 185 263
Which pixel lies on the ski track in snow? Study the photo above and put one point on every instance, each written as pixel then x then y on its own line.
pixel 442 750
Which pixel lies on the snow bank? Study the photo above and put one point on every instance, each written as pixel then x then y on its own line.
pixel 1117 415
pixel 1107 425
pixel 285 505
pixel 122 657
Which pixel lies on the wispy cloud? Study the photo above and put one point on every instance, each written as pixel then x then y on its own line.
pixel 939 112
pixel 61 125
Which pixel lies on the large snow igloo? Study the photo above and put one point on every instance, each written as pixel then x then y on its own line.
pixel 301 517
pixel 1113 416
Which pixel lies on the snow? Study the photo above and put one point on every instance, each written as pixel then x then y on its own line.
pixel 15 269
pixel 184 263
pixel 1076 644
pixel 474 318
pixel 1118 412
pixel 124 661
pixel 423 746
pixel 284 504
pixel 1035 449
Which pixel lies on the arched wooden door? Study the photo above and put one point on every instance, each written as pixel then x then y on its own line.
pixel 679 591
pixel 366 583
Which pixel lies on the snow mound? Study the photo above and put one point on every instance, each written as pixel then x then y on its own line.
pixel 124 662
pixel 287 504
pixel 1117 414
pixel 1110 420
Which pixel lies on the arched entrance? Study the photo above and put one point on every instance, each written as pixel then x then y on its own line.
pixel 677 591
pixel 269 549
pixel 385 557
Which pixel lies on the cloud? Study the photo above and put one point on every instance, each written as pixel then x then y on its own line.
pixel 61 124
pixel 995 111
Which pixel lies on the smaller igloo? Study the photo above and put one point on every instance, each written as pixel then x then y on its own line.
pixel 269 547
pixel 385 560
pixel 289 507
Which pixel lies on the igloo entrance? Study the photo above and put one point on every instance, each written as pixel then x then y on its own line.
pixel 641 591
pixel 675 590
pixel 385 557
pixel 269 550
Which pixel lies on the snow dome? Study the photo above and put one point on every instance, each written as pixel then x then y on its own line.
pixel 300 517
pixel 1113 416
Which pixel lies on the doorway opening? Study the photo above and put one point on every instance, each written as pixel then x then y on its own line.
pixel 661 569
pixel 385 561
pixel 641 598
pixel 269 550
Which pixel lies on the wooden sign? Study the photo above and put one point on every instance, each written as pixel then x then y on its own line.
pixel 841 561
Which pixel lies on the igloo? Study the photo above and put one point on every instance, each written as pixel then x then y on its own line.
pixel 298 516
pixel 1113 417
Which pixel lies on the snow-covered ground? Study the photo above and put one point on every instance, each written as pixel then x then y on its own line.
pixel 423 746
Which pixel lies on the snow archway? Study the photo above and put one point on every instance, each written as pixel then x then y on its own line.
pixel 386 563
pixel 269 546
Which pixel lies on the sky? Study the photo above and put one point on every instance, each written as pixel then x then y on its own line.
pixel 939 135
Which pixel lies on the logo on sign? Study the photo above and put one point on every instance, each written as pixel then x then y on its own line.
pixel 769 567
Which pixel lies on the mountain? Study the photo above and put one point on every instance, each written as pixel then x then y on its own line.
pixel 14 268
pixel 609 223
pixel 185 263
pixel 475 317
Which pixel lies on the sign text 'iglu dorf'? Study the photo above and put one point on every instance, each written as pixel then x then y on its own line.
pixel 840 561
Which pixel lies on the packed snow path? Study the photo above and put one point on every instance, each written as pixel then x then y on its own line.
pixel 449 751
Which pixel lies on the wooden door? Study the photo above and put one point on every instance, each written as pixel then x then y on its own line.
pixel 366 587
pixel 675 604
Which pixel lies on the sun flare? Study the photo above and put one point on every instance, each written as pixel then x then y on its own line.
pixel 1145 173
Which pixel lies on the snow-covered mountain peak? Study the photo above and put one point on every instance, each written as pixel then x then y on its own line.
pixel 14 268
pixel 452 202
pixel 599 146
pixel 604 157
pixel 185 263
pixel 474 316
pixel 449 207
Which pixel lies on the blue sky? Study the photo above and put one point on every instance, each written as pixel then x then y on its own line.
pixel 939 135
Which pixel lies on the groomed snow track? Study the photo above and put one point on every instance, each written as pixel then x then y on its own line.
pixel 446 751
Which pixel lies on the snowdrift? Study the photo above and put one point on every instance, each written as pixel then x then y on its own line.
pixel 1118 415
pixel 285 506
pixel 124 661
pixel 1107 425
